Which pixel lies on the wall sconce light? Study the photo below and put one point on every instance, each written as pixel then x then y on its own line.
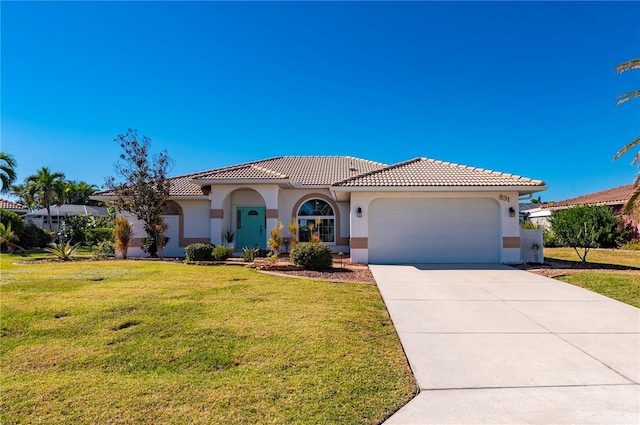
pixel 512 212
pixel 359 212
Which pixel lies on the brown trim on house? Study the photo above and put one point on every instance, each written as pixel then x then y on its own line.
pixel 340 240
pixel 271 213
pixel 511 242
pixel 359 243
pixel 216 213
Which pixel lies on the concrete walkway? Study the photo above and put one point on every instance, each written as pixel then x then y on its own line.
pixel 497 345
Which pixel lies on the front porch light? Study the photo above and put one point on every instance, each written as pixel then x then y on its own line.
pixel 359 212
pixel 512 212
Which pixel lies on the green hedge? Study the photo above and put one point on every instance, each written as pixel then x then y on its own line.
pixel 311 256
pixel 99 234
pixel 199 252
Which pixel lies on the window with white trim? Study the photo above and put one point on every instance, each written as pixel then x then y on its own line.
pixel 316 216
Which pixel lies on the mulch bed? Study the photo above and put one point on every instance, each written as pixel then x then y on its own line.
pixel 343 270
pixel 555 268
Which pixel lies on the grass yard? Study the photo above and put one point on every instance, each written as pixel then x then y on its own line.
pixel 619 285
pixel 152 342
pixel 600 256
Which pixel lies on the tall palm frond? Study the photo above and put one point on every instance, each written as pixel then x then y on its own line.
pixel 8 175
pixel 628 65
pixel 634 200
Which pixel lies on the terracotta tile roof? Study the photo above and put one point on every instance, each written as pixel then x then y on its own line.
pixel 425 172
pixel 8 205
pixel 180 186
pixel 306 170
pixel 616 196
pixel 346 171
pixel 242 172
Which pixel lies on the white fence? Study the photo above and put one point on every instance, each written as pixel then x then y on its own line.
pixel 531 249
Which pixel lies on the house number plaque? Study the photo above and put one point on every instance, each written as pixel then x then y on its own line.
pixel 503 198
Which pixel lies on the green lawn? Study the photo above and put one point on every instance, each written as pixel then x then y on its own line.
pixel 151 342
pixel 600 256
pixel 618 285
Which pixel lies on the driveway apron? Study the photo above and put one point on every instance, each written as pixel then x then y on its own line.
pixel 490 344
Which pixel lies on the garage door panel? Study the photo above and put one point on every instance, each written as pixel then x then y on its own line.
pixel 434 231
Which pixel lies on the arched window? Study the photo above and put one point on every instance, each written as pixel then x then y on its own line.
pixel 316 217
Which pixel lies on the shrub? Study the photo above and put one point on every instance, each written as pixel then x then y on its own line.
pixel 104 249
pixel 199 252
pixel 63 251
pixel 528 225
pixel 248 254
pixel 35 237
pixel 549 239
pixel 123 233
pixel 221 253
pixel 293 229
pixel 311 256
pixel 99 234
pixel 275 241
pixel 16 222
pixel 633 244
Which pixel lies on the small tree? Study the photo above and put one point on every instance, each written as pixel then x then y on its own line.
pixel 123 233
pixel 275 242
pixel 293 229
pixel 586 227
pixel 145 188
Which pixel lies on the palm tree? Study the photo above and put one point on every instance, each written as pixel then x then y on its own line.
pixel 47 189
pixel 78 192
pixel 634 200
pixel 21 191
pixel 7 171
pixel 9 238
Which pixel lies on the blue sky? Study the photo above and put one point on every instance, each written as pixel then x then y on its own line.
pixel 521 87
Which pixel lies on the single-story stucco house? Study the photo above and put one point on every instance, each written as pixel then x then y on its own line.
pixel 13 207
pixel 615 198
pixel 417 211
pixel 40 217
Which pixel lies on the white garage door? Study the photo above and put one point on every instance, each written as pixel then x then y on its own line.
pixel 405 231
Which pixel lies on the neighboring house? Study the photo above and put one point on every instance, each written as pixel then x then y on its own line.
pixel 39 217
pixel 539 216
pixel 13 207
pixel 418 211
pixel 615 198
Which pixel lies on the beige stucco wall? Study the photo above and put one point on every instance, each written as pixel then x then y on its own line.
pixel 509 226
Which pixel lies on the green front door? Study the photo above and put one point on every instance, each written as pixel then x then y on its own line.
pixel 251 227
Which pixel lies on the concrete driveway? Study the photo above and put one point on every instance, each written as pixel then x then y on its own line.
pixel 490 344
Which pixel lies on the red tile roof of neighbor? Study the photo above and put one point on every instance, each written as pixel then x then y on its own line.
pixel 346 171
pixel 616 196
pixel 8 205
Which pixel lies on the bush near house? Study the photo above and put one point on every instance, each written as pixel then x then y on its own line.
pixel 221 253
pixel 311 256
pixel 199 252
pixel 28 236
pixel 99 234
